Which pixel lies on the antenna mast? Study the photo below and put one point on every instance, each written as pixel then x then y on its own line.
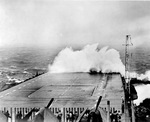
pixel 128 43
pixel 127 77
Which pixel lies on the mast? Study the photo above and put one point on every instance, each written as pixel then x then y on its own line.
pixel 127 82
pixel 127 44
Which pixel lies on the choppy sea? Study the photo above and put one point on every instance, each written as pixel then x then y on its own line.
pixel 21 63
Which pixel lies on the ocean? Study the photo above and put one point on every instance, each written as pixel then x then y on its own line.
pixel 139 59
pixel 20 63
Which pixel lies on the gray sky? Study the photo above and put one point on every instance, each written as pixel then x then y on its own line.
pixel 72 23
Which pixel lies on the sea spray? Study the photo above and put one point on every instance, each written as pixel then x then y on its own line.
pixel 143 77
pixel 104 60
pixel 143 93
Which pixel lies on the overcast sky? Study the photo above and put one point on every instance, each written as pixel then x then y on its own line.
pixel 72 23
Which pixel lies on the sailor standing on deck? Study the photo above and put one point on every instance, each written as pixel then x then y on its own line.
pixel 59 116
pixel 18 116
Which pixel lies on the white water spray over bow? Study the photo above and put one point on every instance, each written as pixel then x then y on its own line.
pixel 104 60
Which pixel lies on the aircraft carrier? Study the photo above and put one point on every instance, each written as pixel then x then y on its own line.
pixel 71 92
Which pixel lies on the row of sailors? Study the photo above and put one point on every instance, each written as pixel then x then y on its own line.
pixel 70 116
